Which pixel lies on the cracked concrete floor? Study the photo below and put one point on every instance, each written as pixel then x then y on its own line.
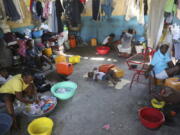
pixel 96 104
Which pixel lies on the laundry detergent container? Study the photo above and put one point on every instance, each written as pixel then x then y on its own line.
pixel 64 68
pixel 93 42
pixel 74 59
pixel 69 86
pixel 60 58
pixel 40 126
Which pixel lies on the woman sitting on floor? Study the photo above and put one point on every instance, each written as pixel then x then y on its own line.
pixel 162 64
pixel 125 47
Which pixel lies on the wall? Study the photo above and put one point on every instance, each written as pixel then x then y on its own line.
pixel 117 24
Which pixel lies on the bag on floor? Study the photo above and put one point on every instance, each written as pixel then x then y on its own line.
pixel 118 72
pixel 106 67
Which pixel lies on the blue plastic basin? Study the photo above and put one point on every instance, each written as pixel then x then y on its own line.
pixel 37 34
pixel 67 85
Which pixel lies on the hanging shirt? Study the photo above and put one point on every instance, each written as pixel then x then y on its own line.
pixel 160 61
pixel 16 84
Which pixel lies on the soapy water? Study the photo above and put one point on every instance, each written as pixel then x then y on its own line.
pixel 64 90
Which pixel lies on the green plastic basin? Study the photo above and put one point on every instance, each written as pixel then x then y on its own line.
pixel 66 84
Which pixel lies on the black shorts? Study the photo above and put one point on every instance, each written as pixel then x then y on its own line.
pixel 2 95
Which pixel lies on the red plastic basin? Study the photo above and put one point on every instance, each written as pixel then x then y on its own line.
pixel 103 50
pixel 151 117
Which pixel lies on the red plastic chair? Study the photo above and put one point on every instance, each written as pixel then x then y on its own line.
pixel 139 64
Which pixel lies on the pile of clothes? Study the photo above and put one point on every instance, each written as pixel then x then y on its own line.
pixel 46 104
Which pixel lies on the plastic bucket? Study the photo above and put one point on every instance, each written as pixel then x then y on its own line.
pixel 74 59
pixel 66 84
pixel 151 117
pixel 60 58
pixel 5 123
pixel 102 50
pixel 41 126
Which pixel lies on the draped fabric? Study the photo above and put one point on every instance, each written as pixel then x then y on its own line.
pixel 59 11
pixel 156 22
pixel 11 11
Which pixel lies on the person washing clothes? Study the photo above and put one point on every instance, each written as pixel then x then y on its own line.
pixel 162 64
pixel 18 87
pixel 125 47
pixel 109 40
pixel 4 76
pixel 109 76
pixel 34 56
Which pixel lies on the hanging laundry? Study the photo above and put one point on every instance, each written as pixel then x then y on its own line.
pixel 39 8
pixel 179 4
pixel 145 7
pixel 27 3
pixel 107 7
pixel 178 13
pixel 170 6
pixel 52 19
pixel 177 49
pixel 156 22
pixel 140 11
pixel 2 10
pixel 96 9
pixel 19 9
pixel 59 11
pixel 131 10
pixel 11 11
pixel 46 10
pixel 73 10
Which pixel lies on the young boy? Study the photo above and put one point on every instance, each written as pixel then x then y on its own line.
pixel 109 76
pixel 108 41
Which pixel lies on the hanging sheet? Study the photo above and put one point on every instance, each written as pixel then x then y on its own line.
pixel 156 22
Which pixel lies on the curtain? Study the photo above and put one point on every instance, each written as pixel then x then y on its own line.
pixel 156 22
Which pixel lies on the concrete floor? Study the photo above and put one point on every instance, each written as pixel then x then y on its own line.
pixel 96 104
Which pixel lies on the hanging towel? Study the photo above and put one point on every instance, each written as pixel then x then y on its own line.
pixel 131 10
pixel 39 8
pixel 177 49
pixel 170 6
pixel 178 13
pixel 59 11
pixel 95 9
pixel 107 7
pixel 19 9
pixel 11 11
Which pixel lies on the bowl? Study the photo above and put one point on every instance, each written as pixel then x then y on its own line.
pixel 157 104
pixel 71 86
pixel 102 50
pixel 37 34
pixel 151 117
